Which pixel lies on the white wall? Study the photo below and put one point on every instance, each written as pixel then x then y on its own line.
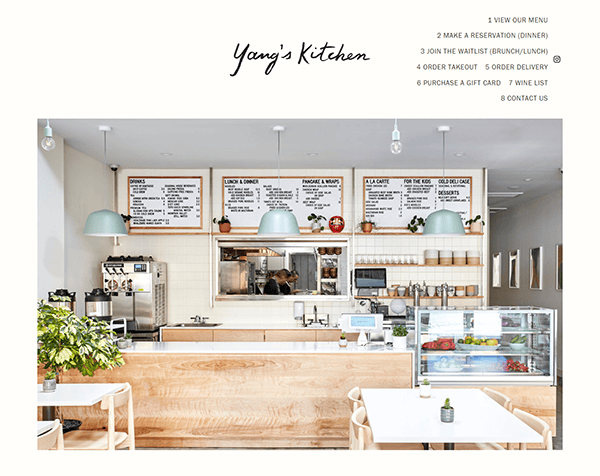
pixel 536 223
pixel 88 188
pixel 50 226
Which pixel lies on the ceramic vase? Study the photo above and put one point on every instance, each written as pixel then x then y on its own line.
pixel 49 385
pixel 425 391
pixel 447 415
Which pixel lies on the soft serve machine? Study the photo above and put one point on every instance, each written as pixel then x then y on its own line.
pixel 138 286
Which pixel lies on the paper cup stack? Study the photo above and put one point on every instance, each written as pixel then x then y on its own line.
pixel 459 257
pixel 445 257
pixel 473 257
pixel 431 257
pixel 460 290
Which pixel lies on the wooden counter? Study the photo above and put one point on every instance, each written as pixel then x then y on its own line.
pixel 255 394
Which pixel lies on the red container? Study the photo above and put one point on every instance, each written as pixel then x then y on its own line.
pixel 336 224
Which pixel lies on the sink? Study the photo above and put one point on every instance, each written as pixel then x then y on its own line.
pixel 198 324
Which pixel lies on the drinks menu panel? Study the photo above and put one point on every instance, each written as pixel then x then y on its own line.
pixel 165 202
pixel 391 202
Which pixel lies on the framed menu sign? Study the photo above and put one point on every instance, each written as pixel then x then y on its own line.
pixel 391 202
pixel 165 202
pixel 247 199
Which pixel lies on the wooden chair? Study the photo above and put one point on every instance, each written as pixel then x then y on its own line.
pixel 538 425
pixel 361 436
pixel 355 399
pixel 499 397
pixel 52 439
pixel 111 439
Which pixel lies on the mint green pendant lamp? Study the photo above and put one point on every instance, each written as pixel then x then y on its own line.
pixel 105 222
pixel 444 222
pixel 278 222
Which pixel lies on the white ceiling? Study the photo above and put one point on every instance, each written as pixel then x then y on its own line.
pixel 511 149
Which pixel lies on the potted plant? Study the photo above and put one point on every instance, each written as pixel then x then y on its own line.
pixel 49 384
pixel 367 226
pixel 399 334
pixel 343 342
pixel 129 339
pixel 415 223
pixel 425 389
pixel 475 225
pixel 224 224
pixel 127 220
pixel 315 220
pixel 447 412
pixel 66 341
pixel 122 343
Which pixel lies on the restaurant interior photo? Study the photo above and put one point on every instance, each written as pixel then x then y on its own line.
pixel 300 284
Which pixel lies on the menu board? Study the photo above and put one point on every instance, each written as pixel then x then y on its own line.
pixel 247 199
pixel 165 202
pixel 392 202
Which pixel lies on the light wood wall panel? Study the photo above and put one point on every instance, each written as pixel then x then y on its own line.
pixel 187 335
pixel 235 335
pixel 243 400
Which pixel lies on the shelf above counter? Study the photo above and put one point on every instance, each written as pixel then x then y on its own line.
pixel 422 265
pixel 412 298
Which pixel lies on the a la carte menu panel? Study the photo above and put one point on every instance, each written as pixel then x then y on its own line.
pixel 247 199
pixel 165 202
pixel 392 202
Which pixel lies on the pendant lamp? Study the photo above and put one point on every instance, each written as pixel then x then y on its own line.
pixel 444 222
pixel 105 222
pixel 278 222
pixel 48 142
pixel 396 145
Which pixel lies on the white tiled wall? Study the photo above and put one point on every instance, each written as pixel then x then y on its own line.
pixel 188 266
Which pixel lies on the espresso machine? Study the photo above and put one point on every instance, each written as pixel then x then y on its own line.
pixel 138 288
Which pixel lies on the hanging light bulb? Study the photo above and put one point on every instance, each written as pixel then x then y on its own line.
pixel 396 145
pixel 48 142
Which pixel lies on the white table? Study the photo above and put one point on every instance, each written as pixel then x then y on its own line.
pixel 73 395
pixel 402 416
pixel 44 426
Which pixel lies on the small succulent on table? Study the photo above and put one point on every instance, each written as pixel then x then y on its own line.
pixel 50 375
pixel 426 382
pixel 415 223
pixel 447 404
pixel 343 336
pixel 399 331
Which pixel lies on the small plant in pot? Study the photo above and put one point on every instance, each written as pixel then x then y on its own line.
pixel 127 221
pixel 224 224
pixel 476 226
pixel 447 412
pixel 415 223
pixel 49 384
pixel 315 224
pixel 425 389
pixel 399 334
pixel 129 339
pixel 367 226
pixel 122 343
pixel 343 342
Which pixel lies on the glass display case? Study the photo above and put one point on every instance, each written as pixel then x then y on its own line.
pixel 484 345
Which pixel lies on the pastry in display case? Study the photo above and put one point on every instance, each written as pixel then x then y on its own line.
pixel 485 345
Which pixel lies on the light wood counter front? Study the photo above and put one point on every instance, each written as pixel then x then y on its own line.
pixel 271 399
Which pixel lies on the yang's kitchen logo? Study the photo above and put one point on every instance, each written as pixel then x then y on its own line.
pixel 306 54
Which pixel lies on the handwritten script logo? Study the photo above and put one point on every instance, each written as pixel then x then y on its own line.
pixel 306 54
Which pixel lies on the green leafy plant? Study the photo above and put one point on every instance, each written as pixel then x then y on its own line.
pixel 67 341
pixel 426 382
pixel 128 336
pixel 316 219
pixel 415 223
pixel 126 218
pixel 343 336
pixel 447 404
pixel 54 298
pixel 399 331
pixel 50 375
pixel 223 219
pixel 473 220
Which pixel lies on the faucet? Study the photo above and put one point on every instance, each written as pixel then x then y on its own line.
pixel 445 295
pixel 416 290
pixel 199 320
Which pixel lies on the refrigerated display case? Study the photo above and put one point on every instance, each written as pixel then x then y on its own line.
pixel 485 345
